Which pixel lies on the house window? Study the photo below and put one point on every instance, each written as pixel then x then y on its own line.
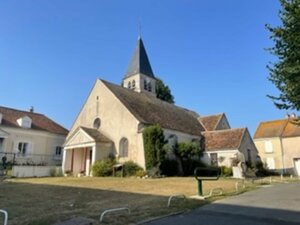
pixel 129 85
pixel 23 148
pixel 1 144
pixel 270 163
pixel 268 147
pixel 97 123
pixel 58 150
pixel 214 159
pixel 145 84
pixel 133 84
pixel 123 148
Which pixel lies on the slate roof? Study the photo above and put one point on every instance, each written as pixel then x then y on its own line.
pixel 39 121
pixel 277 128
pixel 96 135
pixel 139 62
pixel 150 110
pixel 210 122
pixel 223 139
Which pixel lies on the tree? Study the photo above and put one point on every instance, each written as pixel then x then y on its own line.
pixel 163 92
pixel 187 153
pixel 285 73
pixel 154 141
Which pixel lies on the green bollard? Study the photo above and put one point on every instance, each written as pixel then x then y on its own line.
pixel 200 192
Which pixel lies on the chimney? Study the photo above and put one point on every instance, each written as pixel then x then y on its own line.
pixel 31 109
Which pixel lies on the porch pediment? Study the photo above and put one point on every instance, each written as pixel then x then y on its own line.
pixel 83 136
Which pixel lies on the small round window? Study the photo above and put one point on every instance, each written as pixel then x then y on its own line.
pixel 97 123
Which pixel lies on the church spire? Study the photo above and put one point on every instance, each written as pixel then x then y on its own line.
pixel 139 62
pixel 139 76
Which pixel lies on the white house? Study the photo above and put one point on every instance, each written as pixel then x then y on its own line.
pixel 222 144
pixel 31 138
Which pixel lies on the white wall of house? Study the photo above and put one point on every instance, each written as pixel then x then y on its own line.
pixel 38 143
pixel 225 155
pixel 248 148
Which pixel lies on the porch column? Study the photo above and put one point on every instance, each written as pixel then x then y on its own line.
pixel 64 161
pixel 93 154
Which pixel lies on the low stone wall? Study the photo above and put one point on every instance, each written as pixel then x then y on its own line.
pixel 36 171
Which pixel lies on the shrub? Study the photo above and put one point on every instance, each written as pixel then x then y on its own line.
pixel 226 171
pixel 169 167
pixel 140 173
pixel 103 168
pixel 130 168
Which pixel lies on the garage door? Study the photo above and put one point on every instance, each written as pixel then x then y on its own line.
pixel 297 166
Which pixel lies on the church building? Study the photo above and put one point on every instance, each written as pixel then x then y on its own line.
pixel 113 117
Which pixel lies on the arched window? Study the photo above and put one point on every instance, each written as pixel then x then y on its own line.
pixel 129 85
pixel 97 123
pixel 133 84
pixel 123 148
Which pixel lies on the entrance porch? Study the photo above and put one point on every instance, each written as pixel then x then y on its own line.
pixel 82 149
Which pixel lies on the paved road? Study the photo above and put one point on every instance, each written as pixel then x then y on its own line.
pixel 278 205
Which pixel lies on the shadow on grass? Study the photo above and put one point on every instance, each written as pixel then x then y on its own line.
pixel 40 204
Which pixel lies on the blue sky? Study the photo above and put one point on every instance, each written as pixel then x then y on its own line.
pixel 210 53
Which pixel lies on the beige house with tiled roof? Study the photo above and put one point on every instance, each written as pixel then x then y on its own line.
pixel 278 143
pixel 118 115
pixel 27 137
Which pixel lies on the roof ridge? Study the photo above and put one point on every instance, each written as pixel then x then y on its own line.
pixel 217 114
pixel 19 110
pixel 226 130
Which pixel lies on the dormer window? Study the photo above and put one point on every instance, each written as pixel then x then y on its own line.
pixel 24 122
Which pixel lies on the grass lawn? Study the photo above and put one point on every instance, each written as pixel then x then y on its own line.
pixel 45 201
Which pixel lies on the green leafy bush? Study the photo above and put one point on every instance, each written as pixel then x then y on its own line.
pixel 103 168
pixel 130 168
pixel 169 167
pixel 154 141
pixel 226 171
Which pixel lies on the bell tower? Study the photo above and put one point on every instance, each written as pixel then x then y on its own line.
pixel 139 76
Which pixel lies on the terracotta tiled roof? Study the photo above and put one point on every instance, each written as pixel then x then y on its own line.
pixel 277 128
pixel 223 139
pixel 270 129
pixel 96 135
pixel 210 122
pixel 291 130
pixel 150 110
pixel 39 121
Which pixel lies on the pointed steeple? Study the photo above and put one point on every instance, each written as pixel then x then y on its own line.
pixel 139 62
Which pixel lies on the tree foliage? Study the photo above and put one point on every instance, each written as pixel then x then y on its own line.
pixel 188 154
pixel 154 141
pixel 285 73
pixel 163 92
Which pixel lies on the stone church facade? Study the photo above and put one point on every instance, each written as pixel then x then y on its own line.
pixel 112 119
